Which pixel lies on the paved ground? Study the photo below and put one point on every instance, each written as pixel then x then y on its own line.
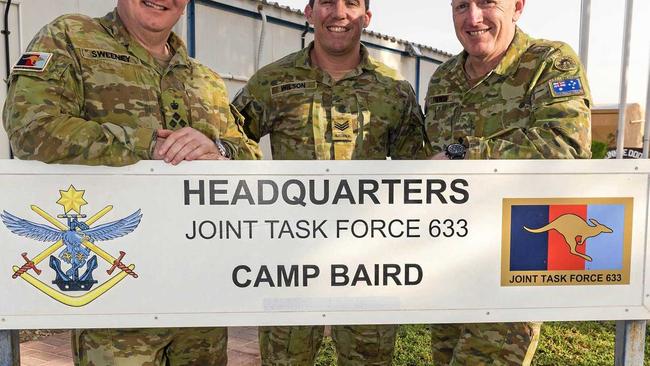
pixel 55 350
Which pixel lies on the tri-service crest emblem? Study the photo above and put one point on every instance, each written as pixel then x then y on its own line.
pixel 74 250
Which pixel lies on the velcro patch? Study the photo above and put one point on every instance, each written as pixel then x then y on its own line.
pixel 440 99
pixel 565 64
pixel 109 56
pixel 566 86
pixel 298 85
pixel 33 61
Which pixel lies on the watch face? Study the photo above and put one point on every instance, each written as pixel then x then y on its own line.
pixel 456 151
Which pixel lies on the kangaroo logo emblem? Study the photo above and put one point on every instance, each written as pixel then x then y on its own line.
pixel 575 231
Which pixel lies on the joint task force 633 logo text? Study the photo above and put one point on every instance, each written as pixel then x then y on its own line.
pixel 73 251
pixel 564 241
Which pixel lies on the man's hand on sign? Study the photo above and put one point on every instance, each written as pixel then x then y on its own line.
pixel 185 144
pixel 440 156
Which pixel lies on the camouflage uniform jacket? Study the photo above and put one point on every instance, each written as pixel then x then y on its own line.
pixel 102 96
pixel 535 104
pixel 368 114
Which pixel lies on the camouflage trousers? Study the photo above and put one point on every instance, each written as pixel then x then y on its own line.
pixel 356 345
pixel 150 347
pixel 498 344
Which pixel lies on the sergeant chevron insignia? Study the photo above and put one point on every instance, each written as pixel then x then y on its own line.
pixel 342 126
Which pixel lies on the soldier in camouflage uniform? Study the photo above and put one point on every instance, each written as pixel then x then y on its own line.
pixel 506 96
pixel 332 101
pixel 113 91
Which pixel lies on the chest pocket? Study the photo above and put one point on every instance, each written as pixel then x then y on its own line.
pixel 113 87
pixel 442 120
pixel 502 114
pixel 294 107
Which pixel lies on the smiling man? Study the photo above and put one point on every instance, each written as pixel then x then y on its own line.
pixel 332 101
pixel 506 96
pixel 114 91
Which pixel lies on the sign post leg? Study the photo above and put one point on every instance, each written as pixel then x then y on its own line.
pixel 630 342
pixel 9 348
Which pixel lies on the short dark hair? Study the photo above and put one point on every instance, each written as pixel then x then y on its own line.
pixel 311 3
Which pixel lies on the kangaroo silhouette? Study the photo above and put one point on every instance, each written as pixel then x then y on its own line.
pixel 575 231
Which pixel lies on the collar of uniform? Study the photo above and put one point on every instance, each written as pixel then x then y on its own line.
pixel 303 60
pixel 457 71
pixel 113 24
pixel 180 51
pixel 518 46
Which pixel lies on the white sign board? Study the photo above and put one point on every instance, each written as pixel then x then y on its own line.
pixel 262 243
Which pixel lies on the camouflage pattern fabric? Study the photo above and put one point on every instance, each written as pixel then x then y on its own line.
pixel 98 100
pixel 369 114
pixel 517 111
pixel 160 346
pixel 503 344
pixel 356 345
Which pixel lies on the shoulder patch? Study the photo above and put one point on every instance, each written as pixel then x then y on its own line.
pixel 566 63
pixel 566 86
pixel 297 85
pixel 33 61
pixel 94 54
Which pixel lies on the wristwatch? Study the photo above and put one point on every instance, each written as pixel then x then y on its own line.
pixel 455 151
pixel 222 149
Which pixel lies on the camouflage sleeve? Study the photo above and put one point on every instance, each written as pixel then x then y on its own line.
pixel 42 114
pixel 250 102
pixel 560 122
pixel 229 128
pixel 409 138
pixel 242 147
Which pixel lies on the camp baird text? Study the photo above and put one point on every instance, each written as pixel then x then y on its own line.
pixel 371 275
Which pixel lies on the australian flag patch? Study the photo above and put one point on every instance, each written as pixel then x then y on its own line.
pixel 566 86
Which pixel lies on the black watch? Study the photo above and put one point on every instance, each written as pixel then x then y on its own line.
pixel 455 151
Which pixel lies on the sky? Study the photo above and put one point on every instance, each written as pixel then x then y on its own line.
pixel 429 22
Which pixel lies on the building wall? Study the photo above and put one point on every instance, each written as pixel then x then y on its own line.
pixel 225 40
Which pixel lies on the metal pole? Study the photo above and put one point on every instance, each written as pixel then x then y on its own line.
pixel 630 334
pixel 646 128
pixel 9 348
pixel 625 64
pixel 630 353
pixel 585 21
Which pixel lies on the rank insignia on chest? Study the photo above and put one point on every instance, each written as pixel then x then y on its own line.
pixel 33 61
pixel 342 126
pixel 566 86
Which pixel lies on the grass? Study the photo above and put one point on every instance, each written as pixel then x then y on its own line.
pixel 561 344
